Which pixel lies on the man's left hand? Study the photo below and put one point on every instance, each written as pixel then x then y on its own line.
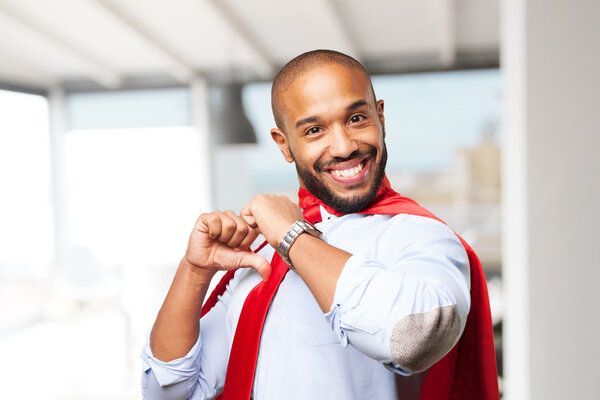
pixel 272 214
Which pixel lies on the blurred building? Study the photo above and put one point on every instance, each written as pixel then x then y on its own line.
pixel 466 195
pixel 476 171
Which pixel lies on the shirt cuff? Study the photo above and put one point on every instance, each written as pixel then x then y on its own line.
pixel 354 275
pixel 333 317
pixel 354 280
pixel 395 368
pixel 174 371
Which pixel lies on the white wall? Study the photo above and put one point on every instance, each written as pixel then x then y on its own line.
pixel 551 64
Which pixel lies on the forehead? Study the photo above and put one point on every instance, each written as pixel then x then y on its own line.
pixel 324 90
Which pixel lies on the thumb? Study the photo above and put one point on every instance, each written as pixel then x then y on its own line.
pixel 250 220
pixel 259 263
pixel 246 213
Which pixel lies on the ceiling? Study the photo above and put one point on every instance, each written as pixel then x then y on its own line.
pixel 112 44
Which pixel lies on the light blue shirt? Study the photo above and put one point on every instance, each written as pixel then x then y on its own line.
pixel 400 304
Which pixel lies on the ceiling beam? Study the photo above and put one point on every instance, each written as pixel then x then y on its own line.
pixel 96 70
pixel 447 39
pixel 12 87
pixel 243 31
pixel 341 24
pixel 22 68
pixel 179 68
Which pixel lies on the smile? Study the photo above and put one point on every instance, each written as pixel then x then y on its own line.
pixel 350 172
pixel 346 173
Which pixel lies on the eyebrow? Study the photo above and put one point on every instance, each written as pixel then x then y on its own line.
pixel 306 120
pixel 356 104
pixel 313 118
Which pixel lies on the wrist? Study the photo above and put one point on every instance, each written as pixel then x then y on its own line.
pixel 299 245
pixel 298 229
pixel 198 273
pixel 278 234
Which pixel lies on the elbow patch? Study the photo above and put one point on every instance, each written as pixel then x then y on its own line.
pixel 419 340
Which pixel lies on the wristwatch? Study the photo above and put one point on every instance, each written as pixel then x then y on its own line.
pixel 298 228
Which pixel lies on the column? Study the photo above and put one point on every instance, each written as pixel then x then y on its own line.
pixel 551 171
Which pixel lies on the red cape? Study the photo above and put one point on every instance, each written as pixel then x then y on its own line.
pixel 467 372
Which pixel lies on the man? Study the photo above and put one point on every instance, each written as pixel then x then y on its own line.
pixel 367 311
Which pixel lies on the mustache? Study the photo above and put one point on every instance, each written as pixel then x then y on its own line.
pixel 370 152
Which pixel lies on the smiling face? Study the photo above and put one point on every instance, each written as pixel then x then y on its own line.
pixel 333 130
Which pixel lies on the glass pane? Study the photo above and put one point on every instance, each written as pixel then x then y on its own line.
pixel 134 194
pixel 26 238
pixel 25 212
pixel 129 109
pixel 442 140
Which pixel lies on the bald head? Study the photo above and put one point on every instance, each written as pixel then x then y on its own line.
pixel 307 62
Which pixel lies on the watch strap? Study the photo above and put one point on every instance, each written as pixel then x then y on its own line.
pixel 297 228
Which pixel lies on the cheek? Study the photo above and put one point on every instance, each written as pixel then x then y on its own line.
pixel 370 139
pixel 310 154
pixel 295 152
pixel 377 141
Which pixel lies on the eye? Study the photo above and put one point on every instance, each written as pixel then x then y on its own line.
pixel 313 130
pixel 357 118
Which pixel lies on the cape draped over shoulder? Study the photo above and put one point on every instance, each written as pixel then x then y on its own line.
pixel 467 372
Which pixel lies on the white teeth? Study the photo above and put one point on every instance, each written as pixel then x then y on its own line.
pixel 346 173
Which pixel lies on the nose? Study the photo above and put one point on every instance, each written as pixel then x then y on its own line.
pixel 342 144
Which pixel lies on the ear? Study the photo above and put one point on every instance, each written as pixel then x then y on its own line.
pixel 282 141
pixel 380 111
pixel 381 116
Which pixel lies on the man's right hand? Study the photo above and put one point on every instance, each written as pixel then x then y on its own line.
pixel 221 241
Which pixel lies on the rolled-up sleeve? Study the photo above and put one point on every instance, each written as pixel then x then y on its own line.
pixel 201 373
pixel 408 308
pixel 175 379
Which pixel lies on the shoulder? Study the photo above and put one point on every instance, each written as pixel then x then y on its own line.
pixel 409 232
pixel 409 221
pixel 403 225
pixel 418 225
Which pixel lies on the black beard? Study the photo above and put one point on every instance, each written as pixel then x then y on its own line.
pixel 351 204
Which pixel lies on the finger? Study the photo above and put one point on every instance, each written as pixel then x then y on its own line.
pixel 259 263
pixel 228 228
pixel 249 239
pixel 201 224
pixel 242 230
pixel 211 224
pixel 229 213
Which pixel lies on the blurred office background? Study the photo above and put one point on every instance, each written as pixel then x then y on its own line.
pixel 123 120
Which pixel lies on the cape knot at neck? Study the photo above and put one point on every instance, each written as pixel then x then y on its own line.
pixel 309 203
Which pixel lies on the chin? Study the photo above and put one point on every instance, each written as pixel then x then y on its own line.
pixel 347 200
pixel 351 193
pixel 344 201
